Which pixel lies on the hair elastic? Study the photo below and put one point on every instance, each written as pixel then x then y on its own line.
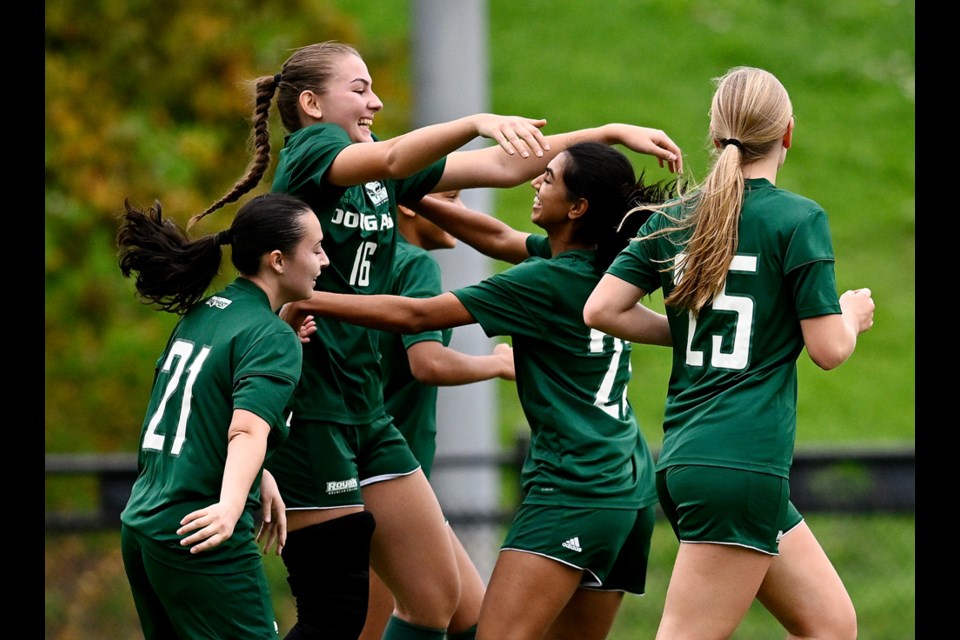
pixel 276 79
pixel 223 237
pixel 733 141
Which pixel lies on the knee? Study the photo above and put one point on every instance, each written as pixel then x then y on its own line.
pixel 328 572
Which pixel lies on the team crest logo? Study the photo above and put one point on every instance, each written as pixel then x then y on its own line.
pixel 376 191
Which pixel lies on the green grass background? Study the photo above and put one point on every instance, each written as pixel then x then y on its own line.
pixel 850 69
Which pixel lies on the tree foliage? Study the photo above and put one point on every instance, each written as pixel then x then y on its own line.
pixel 149 101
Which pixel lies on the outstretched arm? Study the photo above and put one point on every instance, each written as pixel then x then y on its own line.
pixel 614 308
pixel 491 168
pixel 831 339
pixel 408 153
pixel 434 364
pixel 387 313
pixel 483 232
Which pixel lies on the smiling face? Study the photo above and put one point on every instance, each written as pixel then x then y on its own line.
pixel 348 98
pixel 551 204
pixel 302 266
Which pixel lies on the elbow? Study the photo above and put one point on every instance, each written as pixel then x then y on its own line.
pixel 828 359
pixel 593 317
pixel 425 372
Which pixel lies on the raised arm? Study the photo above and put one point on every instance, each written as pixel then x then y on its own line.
pixel 408 153
pixel 491 168
pixel 483 232
pixel 614 308
pixel 831 339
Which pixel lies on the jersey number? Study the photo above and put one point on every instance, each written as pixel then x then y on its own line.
pixel 177 361
pixel 739 355
pixel 360 275
pixel 616 407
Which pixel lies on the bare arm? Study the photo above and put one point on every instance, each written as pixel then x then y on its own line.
pixel 273 523
pixel 408 153
pixel 614 308
pixel 830 340
pixel 434 364
pixel 246 449
pixel 483 232
pixel 387 313
pixel 491 168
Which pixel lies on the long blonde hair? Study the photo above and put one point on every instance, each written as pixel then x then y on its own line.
pixel 749 114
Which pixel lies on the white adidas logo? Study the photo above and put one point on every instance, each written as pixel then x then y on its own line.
pixel 573 544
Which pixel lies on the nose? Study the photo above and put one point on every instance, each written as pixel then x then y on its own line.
pixel 536 182
pixel 375 103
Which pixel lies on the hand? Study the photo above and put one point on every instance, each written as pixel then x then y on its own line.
pixel 505 353
pixel 273 526
pixel 308 328
pixel 514 134
pixel 210 526
pixel 859 304
pixel 294 315
pixel 653 142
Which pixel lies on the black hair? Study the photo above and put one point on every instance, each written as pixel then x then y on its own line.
pixel 604 177
pixel 174 271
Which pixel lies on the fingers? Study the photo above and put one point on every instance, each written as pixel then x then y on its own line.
pixel 208 531
pixel 519 135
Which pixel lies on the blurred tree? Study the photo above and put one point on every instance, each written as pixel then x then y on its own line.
pixel 151 101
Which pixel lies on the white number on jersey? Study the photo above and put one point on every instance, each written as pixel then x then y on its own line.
pixel 616 407
pixel 178 357
pixel 739 355
pixel 360 275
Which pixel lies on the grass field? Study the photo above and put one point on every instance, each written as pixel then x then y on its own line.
pixel 850 69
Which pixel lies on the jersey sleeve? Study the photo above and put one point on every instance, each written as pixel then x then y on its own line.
pixel 633 265
pixel 809 267
pixel 507 303
pixel 267 375
pixel 538 246
pixel 421 183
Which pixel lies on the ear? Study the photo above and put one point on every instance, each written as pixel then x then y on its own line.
pixel 578 208
pixel 275 261
pixel 788 136
pixel 310 104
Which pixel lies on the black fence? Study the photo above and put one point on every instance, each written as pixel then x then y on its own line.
pixel 843 481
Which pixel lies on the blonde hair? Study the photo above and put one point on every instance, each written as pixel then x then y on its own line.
pixel 749 114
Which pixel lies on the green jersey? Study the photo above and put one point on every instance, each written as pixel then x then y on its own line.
pixel 732 396
pixel 586 449
pixel 341 378
pixel 230 351
pixel 412 404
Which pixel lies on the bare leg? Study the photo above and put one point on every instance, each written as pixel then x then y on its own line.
pixel 525 595
pixel 379 609
pixel 804 592
pixel 411 550
pixel 588 616
pixel 710 591
pixel 471 588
